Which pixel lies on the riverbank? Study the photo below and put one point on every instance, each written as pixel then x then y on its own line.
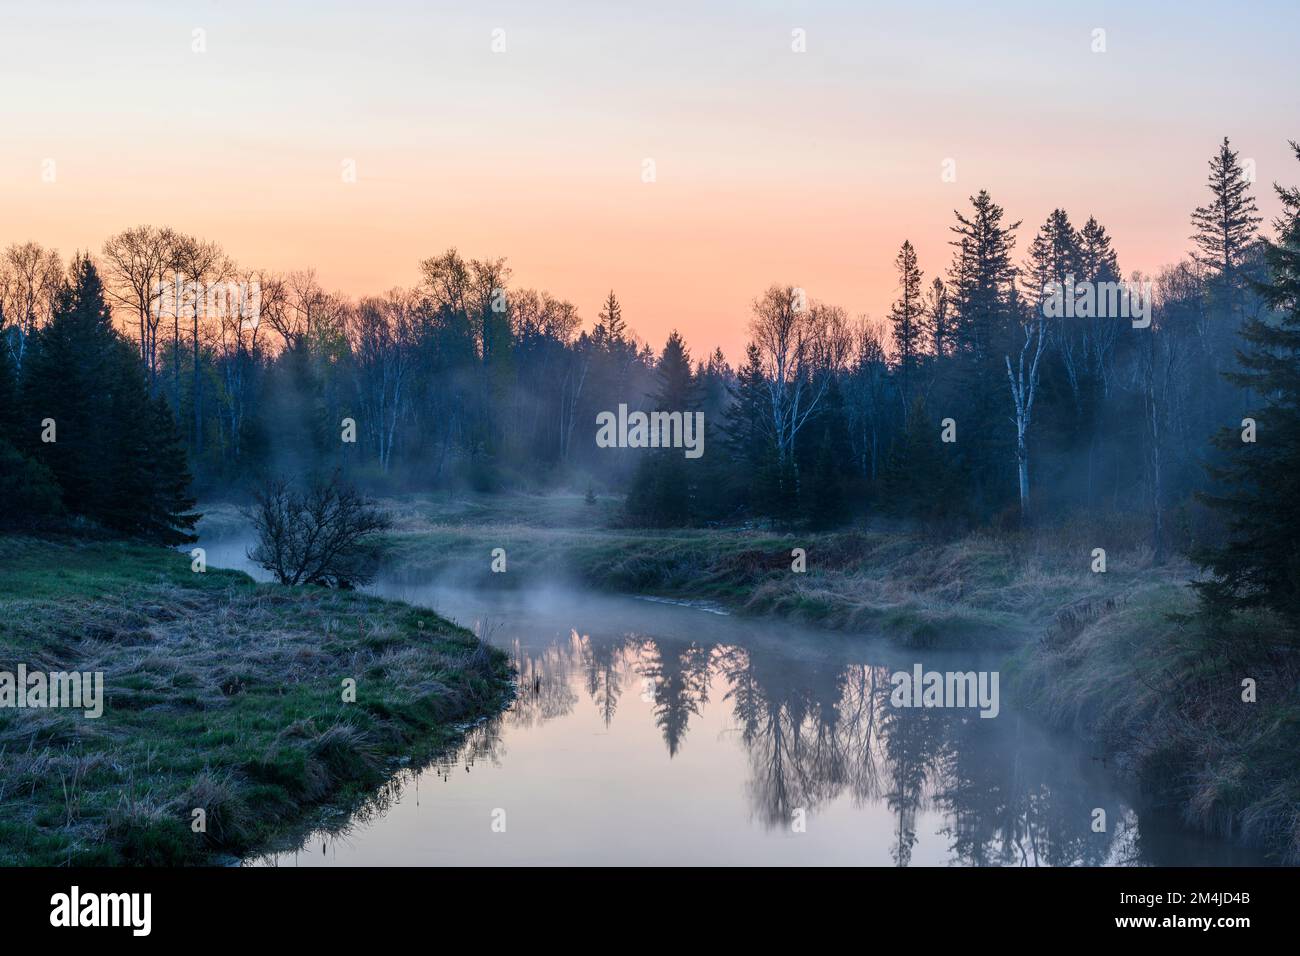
pixel 1115 657
pixel 220 695
pixel 1165 697
pixel 980 590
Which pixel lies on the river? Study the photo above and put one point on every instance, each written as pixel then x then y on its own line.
pixel 652 733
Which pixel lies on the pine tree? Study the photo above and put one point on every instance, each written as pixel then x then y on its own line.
pixel 28 493
pixel 610 327
pixel 116 453
pixel 981 277
pixel 66 384
pixel 1098 262
pixel 824 491
pixel 748 439
pixel 921 481
pixel 1055 258
pixel 1225 229
pixel 938 319
pixel 908 319
pixel 1259 565
pixel 981 288
pixel 661 488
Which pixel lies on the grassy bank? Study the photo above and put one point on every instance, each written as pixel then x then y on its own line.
pixel 221 694
pixel 1115 657
pixel 1103 655
pixel 1161 692
pixel 980 589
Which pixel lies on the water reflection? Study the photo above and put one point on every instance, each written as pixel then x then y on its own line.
pixel 636 745
pixel 815 732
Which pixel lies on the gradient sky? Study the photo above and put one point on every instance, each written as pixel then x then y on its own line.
pixel 808 169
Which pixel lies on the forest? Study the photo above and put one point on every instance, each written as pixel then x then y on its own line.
pixel 1028 390
pixel 973 403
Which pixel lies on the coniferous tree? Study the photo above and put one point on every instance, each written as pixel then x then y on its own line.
pixel 824 490
pixel 28 493
pixel 114 453
pixel 8 387
pixel 981 278
pixel 1259 565
pixel 661 488
pixel 1098 262
pixel 1055 257
pixel 1225 229
pixel 921 479
pixel 908 319
pixel 748 441
pixel 938 319
pixel 610 326
pixel 981 286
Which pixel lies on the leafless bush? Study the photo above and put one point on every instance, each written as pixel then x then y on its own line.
pixel 321 535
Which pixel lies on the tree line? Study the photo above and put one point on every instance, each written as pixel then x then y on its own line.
pixel 971 404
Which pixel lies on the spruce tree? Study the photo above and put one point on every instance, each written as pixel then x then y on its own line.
pixel 1225 229
pixel 1259 564
pixel 908 319
pixel 66 386
pixel 116 455
pixel 921 480
pixel 824 490
pixel 1098 262
pixel 748 438
pixel 29 495
pixel 610 327
pixel 981 285
pixel 661 488
pixel 938 319
pixel 981 278
pixel 1055 258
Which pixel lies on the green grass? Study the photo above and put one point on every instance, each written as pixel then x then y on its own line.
pixel 221 694
pixel 980 590
pixel 1160 690
pixel 1101 654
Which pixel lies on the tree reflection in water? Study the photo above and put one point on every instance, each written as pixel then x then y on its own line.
pixel 815 730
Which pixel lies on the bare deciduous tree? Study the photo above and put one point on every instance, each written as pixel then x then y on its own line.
pixel 30 277
pixel 321 535
pixel 381 333
pixel 140 263
pixel 798 342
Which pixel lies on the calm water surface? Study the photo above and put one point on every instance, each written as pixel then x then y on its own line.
pixel 649 733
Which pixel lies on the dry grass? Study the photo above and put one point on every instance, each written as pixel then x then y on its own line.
pixel 221 695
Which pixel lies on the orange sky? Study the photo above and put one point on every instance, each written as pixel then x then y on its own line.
pixel 772 166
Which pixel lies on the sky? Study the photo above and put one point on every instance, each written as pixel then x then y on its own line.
pixel 770 165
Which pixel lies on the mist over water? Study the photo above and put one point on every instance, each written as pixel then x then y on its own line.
pixel 651 733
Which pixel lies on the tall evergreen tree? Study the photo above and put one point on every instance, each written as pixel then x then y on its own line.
pixel 610 327
pixel 982 285
pixel 1098 262
pixel 981 278
pixel 1225 229
pixel 1055 258
pixel 908 319
pixel 114 452
pixel 748 439
pixel 824 488
pixel 661 490
pixel 938 319
pixel 1259 565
